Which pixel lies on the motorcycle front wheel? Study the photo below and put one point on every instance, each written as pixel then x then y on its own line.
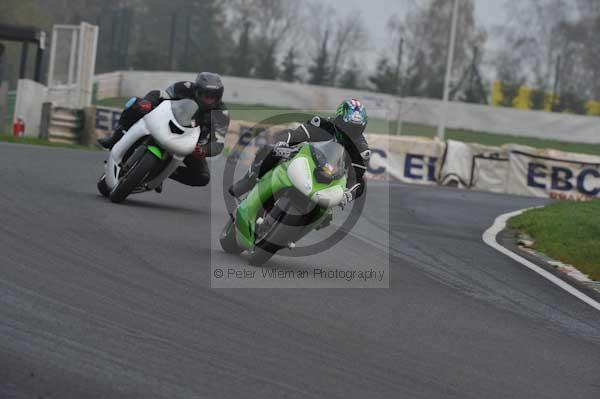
pixel 134 177
pixel 102 187
pixel 265 246
pixel 227 239
pixel 259 256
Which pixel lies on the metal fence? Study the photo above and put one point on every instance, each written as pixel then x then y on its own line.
pixel 72 62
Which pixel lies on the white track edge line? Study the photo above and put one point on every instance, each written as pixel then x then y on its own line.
pixel 489 237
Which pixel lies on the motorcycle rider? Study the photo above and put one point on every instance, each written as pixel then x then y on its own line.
pixel 212 117
pixel 347 127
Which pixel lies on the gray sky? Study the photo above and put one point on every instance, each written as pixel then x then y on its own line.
pixel 377 12
pixel 489 13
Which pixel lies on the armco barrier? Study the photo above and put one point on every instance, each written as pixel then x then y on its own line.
pixel 563 127
pixel 473 117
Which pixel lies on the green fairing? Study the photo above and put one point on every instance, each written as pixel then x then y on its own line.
pixel 271 183
pixel 156 151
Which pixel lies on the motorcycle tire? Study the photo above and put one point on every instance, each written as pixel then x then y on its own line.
pixel 134 177
pixel 227 239
pixel 264 249
pixel 102 187
pixel 259 256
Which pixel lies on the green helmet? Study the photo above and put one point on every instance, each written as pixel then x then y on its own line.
pixel 351 117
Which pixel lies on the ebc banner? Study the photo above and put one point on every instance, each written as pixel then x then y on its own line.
pixel 554 174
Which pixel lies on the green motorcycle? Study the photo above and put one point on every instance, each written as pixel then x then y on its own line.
pixel 288 202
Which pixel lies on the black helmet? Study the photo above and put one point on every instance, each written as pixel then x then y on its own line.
pixel 209 89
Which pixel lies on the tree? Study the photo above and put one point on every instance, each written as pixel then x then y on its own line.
pixel 539 32
pixel 242 61
pixel 68 12
pixel 210 40
pixel 290 68
pixel 537 99
pixel 267 65
pixel 470 88
pixel 2 50
pixel 510 91
pixel 207 41
pixel 350 37
pixel 20 12
pixel 276 22
pixel 267 26
pixel 388 74
pixel 319 71
pixel 571 103
pixel 109 15
pixel 335 38
pixel 580 52
pixel 136 34
pixel 426 31
pixel 385 79
pixel 350 79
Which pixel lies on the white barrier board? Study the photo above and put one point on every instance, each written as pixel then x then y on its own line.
pixel 509 169
pixel 472 117
pixel 413 160
pixel 474 166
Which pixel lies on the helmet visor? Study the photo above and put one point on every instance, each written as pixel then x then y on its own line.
pixel 208 99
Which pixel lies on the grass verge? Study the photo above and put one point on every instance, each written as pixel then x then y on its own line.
pixel 257 113
pixel 566 231
pixel 36 141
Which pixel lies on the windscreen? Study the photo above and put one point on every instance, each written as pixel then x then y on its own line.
pixel 184 111
pixel 329 157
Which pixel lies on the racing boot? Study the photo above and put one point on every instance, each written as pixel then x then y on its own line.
pixel 244 185
pixel 109 142
pixel 247 183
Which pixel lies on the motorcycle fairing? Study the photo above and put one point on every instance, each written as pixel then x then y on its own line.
pixel 270 184
pixel 156 124
pixel 293 173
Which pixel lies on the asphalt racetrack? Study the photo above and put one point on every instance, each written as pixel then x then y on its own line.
pixel 115 301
